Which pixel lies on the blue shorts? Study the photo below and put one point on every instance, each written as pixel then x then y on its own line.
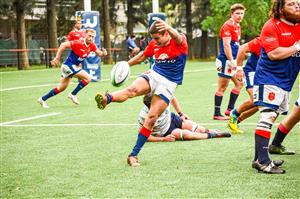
pixel 176 122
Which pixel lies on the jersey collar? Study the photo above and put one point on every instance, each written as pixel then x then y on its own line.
pixel 287 22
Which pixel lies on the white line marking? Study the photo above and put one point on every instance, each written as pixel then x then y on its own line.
pixel 103 80
pixel 109 125
pixel 29 118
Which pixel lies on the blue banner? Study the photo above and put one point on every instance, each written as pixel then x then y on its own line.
pixel 91 20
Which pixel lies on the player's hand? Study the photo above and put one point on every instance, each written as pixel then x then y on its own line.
pixel 297 45
pixel 162 25
pixel 232 64
pixel 169 138
pixel 104 52
pixel 54 62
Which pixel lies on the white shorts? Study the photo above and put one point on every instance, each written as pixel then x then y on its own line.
pixel 225 70
pixel 69 71
pixel 160 85
pixel 272 97
pixel 249 79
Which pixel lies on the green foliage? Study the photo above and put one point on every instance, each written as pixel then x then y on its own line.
pixel 256 15
pixel 89 161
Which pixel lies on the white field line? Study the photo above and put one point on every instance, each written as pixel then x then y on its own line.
pixel 110 125
pixel 103 80
pixel 28 118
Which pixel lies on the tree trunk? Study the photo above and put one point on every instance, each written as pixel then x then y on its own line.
pixel 23 62
pixel 52 27
pixel 189 27
pixel 106 31
pixel 129 13
pixel 204 45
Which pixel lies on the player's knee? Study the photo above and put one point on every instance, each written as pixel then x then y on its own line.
pixel 131 91
pixel 267 119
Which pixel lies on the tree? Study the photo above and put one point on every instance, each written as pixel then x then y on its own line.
pixel 23 62
pixel 52 28
pixel 255 16
pixel 106 31
pixel 189 27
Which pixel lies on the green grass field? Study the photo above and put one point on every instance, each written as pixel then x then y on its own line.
pixel 71 151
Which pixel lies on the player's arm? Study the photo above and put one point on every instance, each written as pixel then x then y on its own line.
pixel 163 26
pixel 178 109
pixel 168 138
pixel 241 56
pixel 101 52
pixel 284 52
pixel 60 50
pixel 137 59
pixel 227 48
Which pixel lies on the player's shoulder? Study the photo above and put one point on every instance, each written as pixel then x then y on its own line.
pixel 229 23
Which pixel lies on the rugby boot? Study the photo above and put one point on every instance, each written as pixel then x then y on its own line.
pixel 280 150
pixel 227 112
pixel 42 103
pixel 101 101
pixel 233 124
pixel 73 98
pixel 133 161
pixel 278 163
pixel 220 117
pixel 269 168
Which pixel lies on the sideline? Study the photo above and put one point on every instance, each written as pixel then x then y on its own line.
pixel 110 125
pixel 28 118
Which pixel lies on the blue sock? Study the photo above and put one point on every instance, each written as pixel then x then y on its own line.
pixel 262 144
pixel 80 85
pixel 218 102
pixel 233 97
pixel 51 93
pixel 281 133
pixel 109 98
pixel 141 140
pixel 234 112
pixel 210 135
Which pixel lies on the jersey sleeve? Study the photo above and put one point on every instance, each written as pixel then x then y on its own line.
pixel 226 30
pixel 149 51
pixel 255 46
pixel 184 44
pixel 269 37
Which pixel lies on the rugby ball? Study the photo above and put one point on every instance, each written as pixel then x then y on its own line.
pixel 120 73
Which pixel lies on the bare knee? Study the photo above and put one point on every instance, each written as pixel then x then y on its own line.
pixel 131 91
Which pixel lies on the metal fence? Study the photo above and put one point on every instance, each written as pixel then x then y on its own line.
pixel 38 53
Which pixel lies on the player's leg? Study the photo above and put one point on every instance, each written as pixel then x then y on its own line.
pixel 139 87
pixel 222 86
pixel 84 79
pixel 282 131
pixel 199 130
pixel 271 101
pixel 63 84
pixel 158 105
pixel 184 134
pixel 235 92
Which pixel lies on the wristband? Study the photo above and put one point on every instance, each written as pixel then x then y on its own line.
pixel 239 68
pixel 297 45
pixel 180 114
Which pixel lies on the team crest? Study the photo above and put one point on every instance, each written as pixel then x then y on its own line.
pixel 271 96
